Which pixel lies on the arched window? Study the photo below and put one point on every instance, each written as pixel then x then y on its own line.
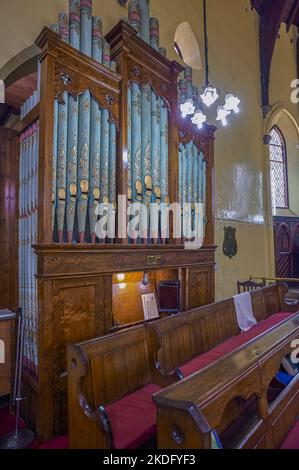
pixel 278 168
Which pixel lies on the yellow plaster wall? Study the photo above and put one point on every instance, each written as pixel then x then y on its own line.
pixel 241 166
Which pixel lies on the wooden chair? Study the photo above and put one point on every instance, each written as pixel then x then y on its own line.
pixel 248 286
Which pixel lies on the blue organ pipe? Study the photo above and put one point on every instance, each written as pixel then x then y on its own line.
pixel 185 188
pixel 201 157
pixel 164 161
pixel 156 158
pixel 156 147
pixel 86 26
pixel 136 143
pixel 104 188
pixel 188 78
pixel 146 155
pixel 204 197
pixel 146 138
pixel 83 162
pixel 164 150
pixel 61 165
pixel 189 183
pixel 97 39
pixel 64 31
pixel 74 19
pixel 71 167
pixel 95 163
pixel 129 144
pixel 154 33
pixel 145 20
pixel 54 163
pixel 134 15
pixel 106 53
pixel 204 181
pixel 112 175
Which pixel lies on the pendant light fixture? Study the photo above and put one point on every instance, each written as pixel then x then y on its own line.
pixel 210 94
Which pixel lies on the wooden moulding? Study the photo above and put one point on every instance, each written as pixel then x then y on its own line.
pixel 57 261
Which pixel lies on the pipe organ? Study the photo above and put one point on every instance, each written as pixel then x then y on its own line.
pixel 101 142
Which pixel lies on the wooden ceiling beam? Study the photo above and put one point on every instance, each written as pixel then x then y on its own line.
pixel 272 15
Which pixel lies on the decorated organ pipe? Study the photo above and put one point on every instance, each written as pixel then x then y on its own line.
pixel 71 166
pixel 112 181
pixel 64 27
pixel 97 39
pixel 129 145
pixel 54 164
pixel 61 165
pixel 155 33
pixel 83 162
pixel 86 27
pixel 145 20
pixel 192 188
pixel 146 156
pixel 134 15
pixel 164 166
pixel 95 163
pixel 74 23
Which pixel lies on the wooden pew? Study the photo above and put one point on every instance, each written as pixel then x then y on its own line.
pixel 189 411
pixel 101 373
pixel 176 340
pixel 106 370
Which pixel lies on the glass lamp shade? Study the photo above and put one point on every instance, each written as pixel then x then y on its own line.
pixel 199 118
pixel 232 103
pixel 222 114
pixel 187 108
pixel 209 96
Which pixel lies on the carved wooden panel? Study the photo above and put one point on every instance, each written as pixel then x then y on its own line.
pixel 258 306
pixel 217 324
pixel 272 303
pixel 120 362
pixel 200 286
pixel 178 346
pixel 81 309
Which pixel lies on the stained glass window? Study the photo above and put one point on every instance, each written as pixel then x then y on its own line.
pixel 278 168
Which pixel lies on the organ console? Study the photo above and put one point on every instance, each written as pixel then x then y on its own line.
pixel 104 122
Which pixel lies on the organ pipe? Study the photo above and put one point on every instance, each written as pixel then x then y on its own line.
pixel 86 26
pixel 97 39
pixel 74 19
pixel 61 164
pixel 83 162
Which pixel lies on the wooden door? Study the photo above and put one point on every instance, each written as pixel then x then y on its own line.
pixel 283 251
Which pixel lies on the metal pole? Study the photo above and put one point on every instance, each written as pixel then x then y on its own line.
pixel 19 438
pixel 206 41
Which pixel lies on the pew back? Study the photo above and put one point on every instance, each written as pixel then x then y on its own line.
pixel 178 339
pixel 101 371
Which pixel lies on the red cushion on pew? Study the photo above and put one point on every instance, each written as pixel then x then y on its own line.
pixel 265 325
pixel 209 357
pixel 232 343
pixel 133 418
pixel 292 440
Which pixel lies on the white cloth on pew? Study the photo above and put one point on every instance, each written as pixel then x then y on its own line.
pixel 244 311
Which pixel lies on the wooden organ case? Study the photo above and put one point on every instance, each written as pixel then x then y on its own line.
pixel 73 296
